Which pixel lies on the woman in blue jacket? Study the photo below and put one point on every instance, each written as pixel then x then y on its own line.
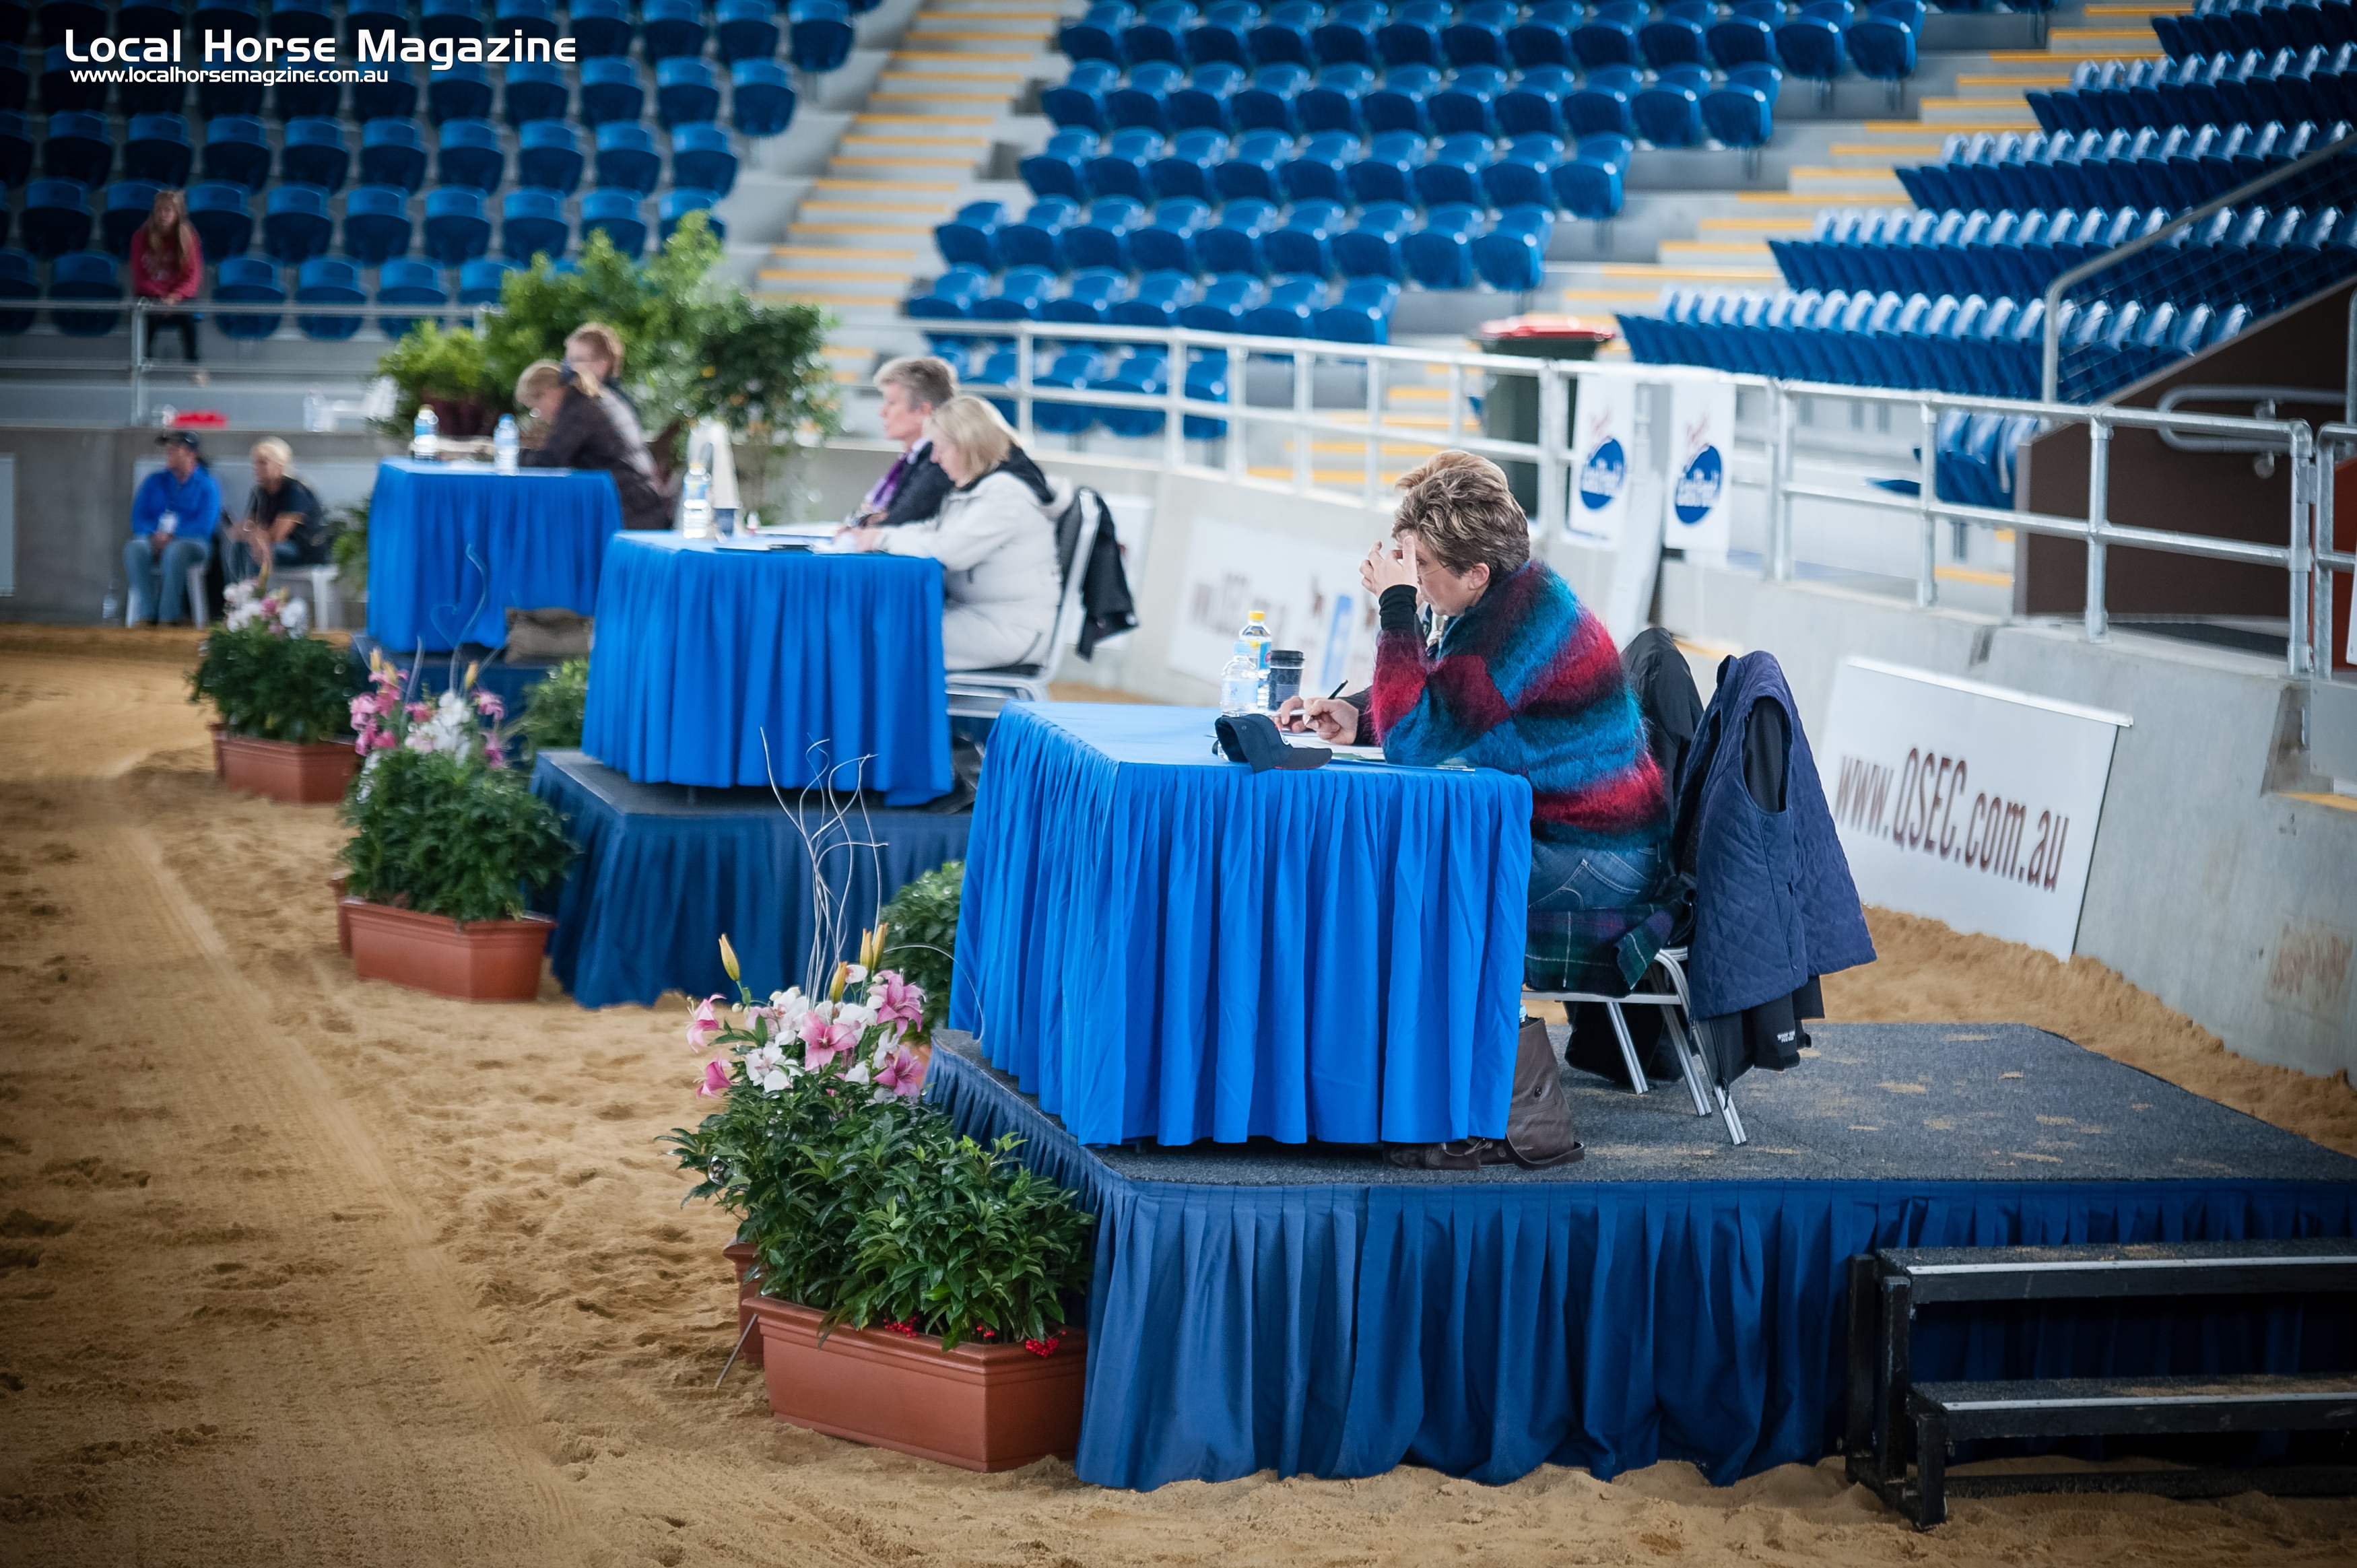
pixel 172 519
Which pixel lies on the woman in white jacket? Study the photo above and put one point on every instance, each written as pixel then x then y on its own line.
pixel 994 537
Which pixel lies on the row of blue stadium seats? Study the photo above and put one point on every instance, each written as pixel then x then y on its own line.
pixel 1675 108
pixel 297 224
pixel 2217 90
pixel 2211 26
pixel 1449 248
pixel 1974 456
pixel 1291 305
pixel 2182 167
pixel 87 277
pixel 1584 181
pixel 1141 369
pixel 392 152
pixel 760 96
pixel 2266 259
pixel 1975 346
pixel 817 33
pixel 1487 32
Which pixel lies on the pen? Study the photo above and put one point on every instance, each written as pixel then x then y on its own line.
pixel 1337 688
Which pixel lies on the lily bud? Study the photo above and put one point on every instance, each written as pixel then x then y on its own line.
pixel 729 960
pixel 841 979
pixel 472 671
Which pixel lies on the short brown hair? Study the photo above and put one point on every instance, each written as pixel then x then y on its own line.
pixel 1463 517
pixel 603 340
pixel 925 379
pixel 1452 458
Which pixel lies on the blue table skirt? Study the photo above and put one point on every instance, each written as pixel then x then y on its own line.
pixel 1484 1329
pixel 1160 943
pixel 718 666
pixel 452 546
pixel 660 879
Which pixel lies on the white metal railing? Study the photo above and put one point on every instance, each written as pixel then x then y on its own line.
pixel 2305 556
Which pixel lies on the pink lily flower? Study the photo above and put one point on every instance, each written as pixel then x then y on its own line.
pixel 903 1073
pixel 825 1039
pixel 895 999
pixel 703 1025
pixel 488 703
pixel 384 741
pixel 716 1081
pixel 420 712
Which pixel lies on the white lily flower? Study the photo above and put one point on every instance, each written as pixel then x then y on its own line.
pixel 858 1074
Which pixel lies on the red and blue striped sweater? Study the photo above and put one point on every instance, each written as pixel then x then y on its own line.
pixel 1525 681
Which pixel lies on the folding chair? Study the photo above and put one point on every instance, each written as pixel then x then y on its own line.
pixel 980 694
pixel 1677 1019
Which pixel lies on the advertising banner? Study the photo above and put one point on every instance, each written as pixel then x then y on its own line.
pixel 1603 456
pixel 1701 439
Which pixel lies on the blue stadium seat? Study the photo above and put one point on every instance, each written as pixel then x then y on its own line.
pixel 1609 37
pixel 1479 36
pixel 1284 36
pixel 1038 240
pixel 1348 34
pixel 1809 45
pixel 1059 168
pixel 1167 244
pixel 16 148
pixel 329 280
pixel 15 81
pixel 1741 110
pixel 1362 315
pixel 1451 175
pixel 601 28
pixel 1882 46
pixel 1318 168
pixel 1304 243
pixel 1158 35
pixel 1097 35
pixel 1291 305
pixel 1371 248
pixel 1222 304
pixel 1224 34
pixel 244 280
pixel 1387 173
pixel 532 19
pixel 627 158
pixel 470 155
pixel 669 29
pixel 295 224
pixel 408 283
pixel 461 93
pixel 686 92
pixel 674 205
pixel 818 34
pixel 533 90
pixel 56 218
pixel 1251 166
pixel 1089 294
pixel 1464 103
pixel 1144 374
pixel 158 148
pixel 17 284
pixel 300 19
pixel 761 98
pixel 1142 101
pixel 84 276
pixel 1076 369
pixel 62 94
pixel 393 152
pixel 394 97
pixel 531 222
pixel 1207 381
pixel 548 155
pixel 1402 102
pixel 1511 257
pixel 1103 240
pixel 1265 103
pixel 1232 245
pixel 1675 37
pixel 954 295
pixel 78 146
pixel 1523 175
pixel 1412 36
pixel 1601 106
pixel 1020 294
pixel 1669 113
pixel 970 239
pixel 307 93
pixel 1534 105
pixel 224 225
pixel 1078 103
pixel 1440 253
pixel 86 19
pixel 616 213
pixel 482 280
pixel 128 203
pixel 315 153
pixel 1186 165
pixel 1332 103
pixel 456 230
pixel 376 224
pixel 747 29
pixel 610 90
pixel 1543 38
pixel 1156 301
pixel 1121 164
pixel 1747 35
pixel 452 19
pixel 371 16
pixel 702 157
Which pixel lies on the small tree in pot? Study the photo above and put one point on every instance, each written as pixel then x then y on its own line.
pixel 284 699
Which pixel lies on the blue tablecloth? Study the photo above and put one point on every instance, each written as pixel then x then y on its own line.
pixel 719 667
pixel 661 879
pixel 452 546
pixel 1160 943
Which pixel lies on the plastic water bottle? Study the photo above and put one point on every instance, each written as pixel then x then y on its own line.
pixel 1240 683
pixel 315 416
pixel 425 436
pixel 696 503
pixel 503 445
pixel 1256 637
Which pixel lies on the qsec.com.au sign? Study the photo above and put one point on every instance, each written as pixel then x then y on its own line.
pixel 1967 803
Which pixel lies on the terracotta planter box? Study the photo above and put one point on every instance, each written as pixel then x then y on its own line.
pixel 740 1258
pixel 302 773
pixel 979 1407
pixel 218 731
pixel 482 961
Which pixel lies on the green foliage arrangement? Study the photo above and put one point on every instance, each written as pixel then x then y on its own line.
pixel 447 367
pixel 553 707
pixel 448 834
pixel 348 548
pixel 921 941
pixel 268 684
pixel 861 1201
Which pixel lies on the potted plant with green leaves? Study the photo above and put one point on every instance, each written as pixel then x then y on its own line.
pixel 922 918
pixel 283 698
pixel 912 1288
pixel 447 843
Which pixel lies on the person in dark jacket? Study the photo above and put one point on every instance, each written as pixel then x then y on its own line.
pixel 913 488
pixel 283 520
pixel 582 430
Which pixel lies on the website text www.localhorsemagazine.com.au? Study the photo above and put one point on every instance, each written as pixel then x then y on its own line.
pixel 226 57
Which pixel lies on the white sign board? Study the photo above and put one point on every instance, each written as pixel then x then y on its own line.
pixel 1702 443
pixel 1967 803
pixel 1603 458
pixel 1310 592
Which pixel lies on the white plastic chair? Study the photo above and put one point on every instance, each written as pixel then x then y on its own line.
pixel 326 602
pixel 1677 1020
pixel 134 611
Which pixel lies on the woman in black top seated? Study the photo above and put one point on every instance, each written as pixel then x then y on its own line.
pixel 282 519
pixel 580 429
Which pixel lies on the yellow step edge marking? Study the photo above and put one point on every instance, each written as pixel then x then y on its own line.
pixel 858 228
pixel 894 185
pixel 1971 127
pixel 1668 274
pixel 904 141
pixel 1721 247
pixel 858 299
pixel 922 120
pixel 839 253
pixel 2339 802
pixel 1973 575
pixel 940 97
pixel 974 56
pixel 1387 448
pixel 1760 225
pixel 919 81
pixel 2028 78
pixel 864 160
pixel 847 351
pixel 1645 295
pixel 994 36
pixel 790 275
pixel 2048 56
pixel 1803 170
pixel 1352 476
pixel 1891 150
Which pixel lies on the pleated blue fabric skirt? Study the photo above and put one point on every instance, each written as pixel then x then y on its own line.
pixel 453 546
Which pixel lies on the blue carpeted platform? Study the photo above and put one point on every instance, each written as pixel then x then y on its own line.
pixel 1310 1309
pixel 511 679
pixel 665 871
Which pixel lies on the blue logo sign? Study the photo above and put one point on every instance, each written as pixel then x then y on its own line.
pixel 1699 486
pixel 1601 476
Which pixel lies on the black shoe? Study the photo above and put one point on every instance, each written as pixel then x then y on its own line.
pixel 1463 1154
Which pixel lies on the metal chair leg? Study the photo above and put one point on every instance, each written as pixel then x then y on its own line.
pixel 1734 1132
pixel 1627 1048
pixel 1689 1063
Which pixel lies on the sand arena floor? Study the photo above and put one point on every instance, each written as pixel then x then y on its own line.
pixel 299 1270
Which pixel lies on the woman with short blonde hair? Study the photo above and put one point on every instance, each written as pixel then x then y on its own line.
pixel 994 536
pixel 282 519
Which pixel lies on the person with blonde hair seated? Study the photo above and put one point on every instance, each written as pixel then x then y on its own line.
pixel 580 428
pixel 994 536
pixel 283 522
